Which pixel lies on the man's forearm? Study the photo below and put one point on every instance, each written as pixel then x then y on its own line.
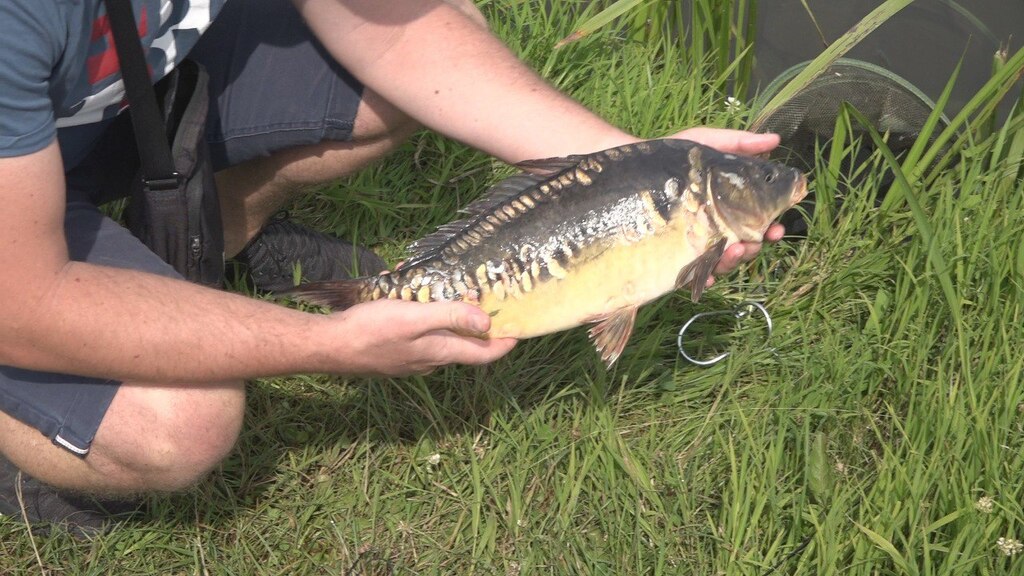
pixel 438 66
pixel 128 325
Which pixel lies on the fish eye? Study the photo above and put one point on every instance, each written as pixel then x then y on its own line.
pixel 769 177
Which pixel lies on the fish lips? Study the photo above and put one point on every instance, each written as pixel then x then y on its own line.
pixel 799 190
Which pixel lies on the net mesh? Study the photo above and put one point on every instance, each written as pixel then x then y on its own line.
pixel 806 122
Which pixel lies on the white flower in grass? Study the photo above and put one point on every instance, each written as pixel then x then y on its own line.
pixel 1009 546
pixel 434 459
pixel 984 504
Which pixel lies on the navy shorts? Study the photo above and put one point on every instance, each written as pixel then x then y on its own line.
pixel 257 52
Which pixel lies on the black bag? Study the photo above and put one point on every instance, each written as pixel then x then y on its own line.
pixel 180 221
pixel 174 208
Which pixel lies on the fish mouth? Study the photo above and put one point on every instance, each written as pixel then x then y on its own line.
pixel 799 190
pixel 750 232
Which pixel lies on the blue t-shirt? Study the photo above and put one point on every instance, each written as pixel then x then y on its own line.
pixel 60 69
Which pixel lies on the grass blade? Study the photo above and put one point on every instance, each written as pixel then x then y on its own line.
pixel 903 188
pixel 886 547
pixel 600 20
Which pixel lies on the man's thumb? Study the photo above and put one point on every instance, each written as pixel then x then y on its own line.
pixel 468 320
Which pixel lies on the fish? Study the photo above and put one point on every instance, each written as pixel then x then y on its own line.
pixel 586 239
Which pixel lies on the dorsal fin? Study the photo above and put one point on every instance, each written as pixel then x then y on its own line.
pixel 502 192
pixel 548 167
pixel 495 197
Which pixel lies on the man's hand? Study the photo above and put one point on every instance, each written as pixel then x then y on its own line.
pixel 397 338
pixel 732 141
pixel 736 142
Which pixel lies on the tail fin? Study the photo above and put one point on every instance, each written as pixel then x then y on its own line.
pixel 337 294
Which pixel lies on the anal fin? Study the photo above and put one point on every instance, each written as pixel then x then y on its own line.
pixel 610 333
pixel 696 273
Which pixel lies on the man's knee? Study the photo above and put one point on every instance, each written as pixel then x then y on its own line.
pixel 168 438
pixel 182 455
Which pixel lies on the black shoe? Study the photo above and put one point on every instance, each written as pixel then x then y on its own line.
pixel 273 254
pixel 82 516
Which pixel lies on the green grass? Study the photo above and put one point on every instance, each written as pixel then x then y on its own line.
pixel 889 401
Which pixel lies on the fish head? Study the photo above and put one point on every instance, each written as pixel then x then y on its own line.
pixel 750 193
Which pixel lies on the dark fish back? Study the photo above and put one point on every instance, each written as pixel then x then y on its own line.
pixel 569 197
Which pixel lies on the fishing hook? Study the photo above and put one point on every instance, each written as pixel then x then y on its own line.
pixel 741 311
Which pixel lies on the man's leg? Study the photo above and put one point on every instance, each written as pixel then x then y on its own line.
pixel 151 439
pixel 253 191
pixel 136 437
pixel 276 133
pixel 105 438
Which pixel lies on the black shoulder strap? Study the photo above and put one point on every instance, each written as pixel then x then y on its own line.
pixel 158 171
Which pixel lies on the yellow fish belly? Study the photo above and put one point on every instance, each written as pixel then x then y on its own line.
pixel 625 274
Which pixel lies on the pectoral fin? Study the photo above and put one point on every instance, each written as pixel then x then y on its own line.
pixel 610 333
pixel 695 274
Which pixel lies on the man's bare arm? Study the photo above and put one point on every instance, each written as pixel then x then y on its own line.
pixel 59 315
pixel 438 65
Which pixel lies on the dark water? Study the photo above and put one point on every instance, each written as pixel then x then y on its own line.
pixel 923 43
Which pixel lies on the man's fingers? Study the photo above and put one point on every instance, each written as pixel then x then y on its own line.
pixel 417 319
pixel 746 251
pixel 398 338
pixel 451 348
pixel 734 141
pixel 731 258
pixel 475 351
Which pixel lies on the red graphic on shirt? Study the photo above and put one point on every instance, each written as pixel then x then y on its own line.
pixel 106 64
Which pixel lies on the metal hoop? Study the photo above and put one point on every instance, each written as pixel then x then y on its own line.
pixel 741 311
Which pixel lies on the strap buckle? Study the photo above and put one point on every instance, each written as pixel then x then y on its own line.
pixel 171 182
